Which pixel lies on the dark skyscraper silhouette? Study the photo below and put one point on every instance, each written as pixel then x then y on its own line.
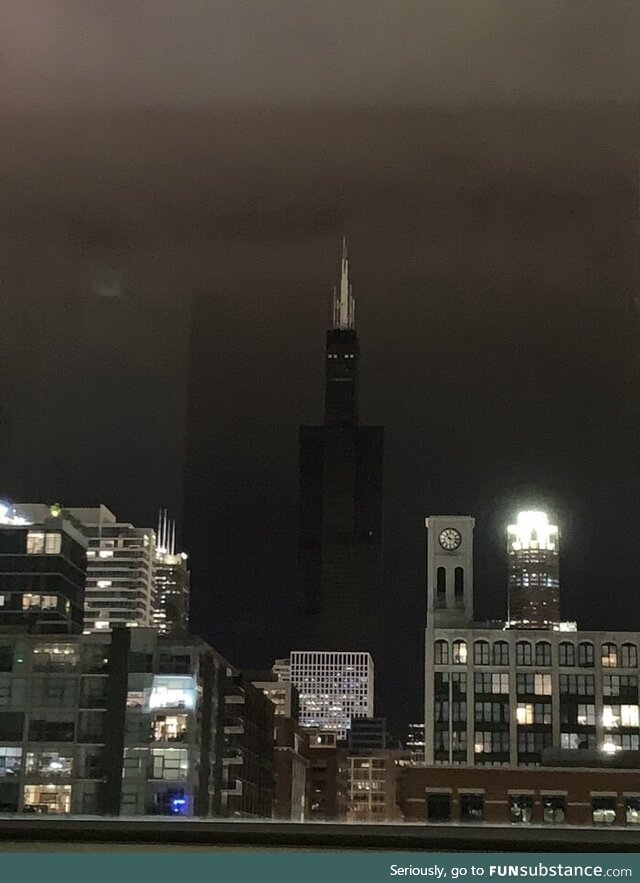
pixel 340 541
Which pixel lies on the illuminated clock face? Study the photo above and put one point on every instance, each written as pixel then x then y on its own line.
pixel 450 538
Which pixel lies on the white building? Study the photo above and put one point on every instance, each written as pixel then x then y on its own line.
pixel 500 696
pixel 334 687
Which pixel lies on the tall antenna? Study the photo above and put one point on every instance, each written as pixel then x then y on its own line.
pixel 344 306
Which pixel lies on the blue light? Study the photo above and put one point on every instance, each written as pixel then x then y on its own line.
pixel 178 805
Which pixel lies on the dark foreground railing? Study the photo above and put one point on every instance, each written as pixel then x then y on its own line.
pixel 19 831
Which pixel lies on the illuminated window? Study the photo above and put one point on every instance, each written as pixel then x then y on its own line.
pixel 53 543
pixel 169 764
pixel 50 799
pixel 632 810
pixel 609 656
pixel 2 600
pixel 586 715
pixel 604 810
pixel 10 759
pixel 49 764
pixel 524 713
pixel 459 653
pixel 105 553
pixel 35 542
pixel 543 685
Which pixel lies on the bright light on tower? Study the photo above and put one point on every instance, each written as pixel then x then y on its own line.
pixel 533 531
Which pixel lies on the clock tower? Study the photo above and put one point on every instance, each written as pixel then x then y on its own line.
pixel 449 571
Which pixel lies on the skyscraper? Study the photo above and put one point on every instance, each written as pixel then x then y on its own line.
pixel 534 586
pixel 171 578
pixel 333 688
pixel 340 539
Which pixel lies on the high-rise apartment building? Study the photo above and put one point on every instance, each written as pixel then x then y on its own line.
pixel 334 688
pixel 340 539
pixel 171 581
pixel 43 568
pixel 130 722
pixel 534 584
pixel 120 567
pixel 501 696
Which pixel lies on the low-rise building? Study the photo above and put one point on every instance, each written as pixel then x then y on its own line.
pixel 372 779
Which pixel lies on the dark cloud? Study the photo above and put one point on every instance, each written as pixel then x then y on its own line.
pixel 198 52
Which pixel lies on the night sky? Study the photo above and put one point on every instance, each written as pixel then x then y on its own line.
pixel 175 179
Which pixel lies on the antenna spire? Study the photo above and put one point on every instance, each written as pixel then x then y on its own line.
pixel 344 307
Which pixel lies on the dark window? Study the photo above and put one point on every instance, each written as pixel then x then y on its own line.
pixel 51 731
pixel 458 586
pixel 471 807
pixel 438 807
pixel 6 658
pixel 566 653
pixel 521 808
pixel 481 653
pixel 553 808
pixel 628 656
pixel 543 653
pixel 585 655
pixel 441 653
pixel 11 726
pixel 524 655
pixel 501 653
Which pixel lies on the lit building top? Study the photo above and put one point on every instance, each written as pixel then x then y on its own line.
pixel 533 531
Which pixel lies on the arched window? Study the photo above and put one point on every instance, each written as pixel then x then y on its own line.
pixel 501 653
pixel 441 653
pixel 609 656
pixel 524 654
pixel 566 653
pixel 628 656
pixel 481 653
pixel 586 655
pixel 543 653
pixel 458 582
pixel 459 653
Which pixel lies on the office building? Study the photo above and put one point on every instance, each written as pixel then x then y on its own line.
pixel 334 688
pixel 127 722
pixel 372 778
pixel 501 696
pixel 43 568
pixel 368 734
pixel 534 584
pixel 340 539
pixel 171 581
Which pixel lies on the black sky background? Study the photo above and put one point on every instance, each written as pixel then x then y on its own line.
pixel 175 184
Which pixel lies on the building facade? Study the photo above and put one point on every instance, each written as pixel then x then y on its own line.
pixel 372 780
pixel 334 688
pixel 43 569
pixel 120 568
pixel 500 696
pixel 124 722
pixel 340 538
pixel 548 795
